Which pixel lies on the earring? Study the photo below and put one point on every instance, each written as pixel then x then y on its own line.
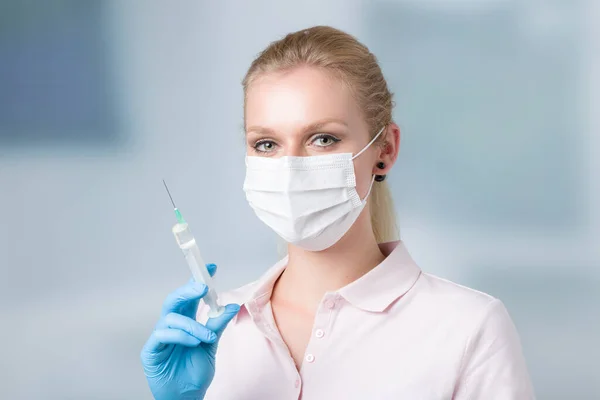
pixel 380 178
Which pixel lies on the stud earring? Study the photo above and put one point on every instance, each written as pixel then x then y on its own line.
pixel 380 178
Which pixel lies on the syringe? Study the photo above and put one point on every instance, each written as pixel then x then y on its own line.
pixel 190 250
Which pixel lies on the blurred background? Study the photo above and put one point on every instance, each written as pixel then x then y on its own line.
pixel 497 187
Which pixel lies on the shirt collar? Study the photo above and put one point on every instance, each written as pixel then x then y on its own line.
pixel 256 295
pixel 387 282
pixel 374 291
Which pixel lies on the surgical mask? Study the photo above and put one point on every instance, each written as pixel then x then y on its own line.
pixel 311 202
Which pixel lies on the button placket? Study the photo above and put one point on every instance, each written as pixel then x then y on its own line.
pixel 268 328
pixel 330 304
pixel 263 324
pixel 322 325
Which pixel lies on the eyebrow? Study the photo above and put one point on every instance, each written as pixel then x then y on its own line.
pixel 308 128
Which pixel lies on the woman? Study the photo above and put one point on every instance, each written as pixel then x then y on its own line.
pixel 347 314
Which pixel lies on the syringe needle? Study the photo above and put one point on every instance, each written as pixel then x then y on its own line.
pixel 169 193
pixel 177 212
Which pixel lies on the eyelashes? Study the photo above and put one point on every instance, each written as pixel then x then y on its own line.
pixel 325 139
pixel 321 140
pixel 267 144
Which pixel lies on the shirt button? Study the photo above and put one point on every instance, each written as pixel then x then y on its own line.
pixel 297 384
pixel 310 358
pixel 319 333
pixel 330 304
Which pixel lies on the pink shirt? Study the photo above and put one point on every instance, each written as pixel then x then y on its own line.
pixel 395 333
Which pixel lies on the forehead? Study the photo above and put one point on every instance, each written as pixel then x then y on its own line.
pixel 287 100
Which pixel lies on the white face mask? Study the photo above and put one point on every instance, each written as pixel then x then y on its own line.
pixel 311 202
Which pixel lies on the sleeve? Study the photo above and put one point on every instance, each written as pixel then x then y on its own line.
pixel 493 365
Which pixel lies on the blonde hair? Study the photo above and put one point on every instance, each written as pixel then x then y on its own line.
pixel 350 61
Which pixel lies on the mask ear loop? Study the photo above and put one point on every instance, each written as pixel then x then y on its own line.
pixel 369 144
pixel 362 151
pixel 370 188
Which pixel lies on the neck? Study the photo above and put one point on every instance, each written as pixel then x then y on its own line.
pixel 309 275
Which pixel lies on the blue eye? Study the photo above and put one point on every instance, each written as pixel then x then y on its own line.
pixel 264 146
pixel 324 140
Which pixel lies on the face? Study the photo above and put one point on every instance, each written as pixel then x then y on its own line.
pixel 305 112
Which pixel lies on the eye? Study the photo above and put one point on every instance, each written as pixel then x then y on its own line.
pixel 324 140
pixel 264 146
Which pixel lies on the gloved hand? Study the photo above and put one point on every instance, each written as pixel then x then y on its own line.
pixel 179 356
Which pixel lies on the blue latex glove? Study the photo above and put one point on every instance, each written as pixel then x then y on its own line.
pixel 179 356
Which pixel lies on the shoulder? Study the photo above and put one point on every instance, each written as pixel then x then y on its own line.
pixel 492 365
pixel 238 296
pixel 250 291
pixel 447 295
pixel 469 310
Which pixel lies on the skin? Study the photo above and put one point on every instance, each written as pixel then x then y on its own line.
pixel 287 114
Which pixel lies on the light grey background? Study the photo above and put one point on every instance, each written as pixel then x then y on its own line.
pixel 497 187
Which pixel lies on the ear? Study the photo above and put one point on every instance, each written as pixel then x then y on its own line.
pixel 388 149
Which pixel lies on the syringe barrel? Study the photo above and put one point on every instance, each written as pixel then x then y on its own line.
pixel 190 250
